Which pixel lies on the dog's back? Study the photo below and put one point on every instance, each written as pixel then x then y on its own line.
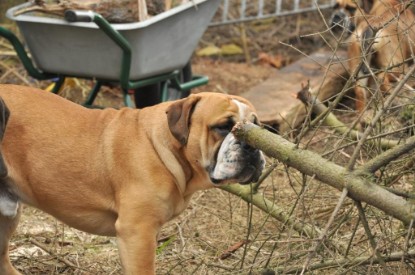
pixel 383 39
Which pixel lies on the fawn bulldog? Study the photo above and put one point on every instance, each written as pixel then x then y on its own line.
pixel 383 35
pixel 120 173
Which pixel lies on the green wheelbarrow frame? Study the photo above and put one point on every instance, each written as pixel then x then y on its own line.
pixel 172 78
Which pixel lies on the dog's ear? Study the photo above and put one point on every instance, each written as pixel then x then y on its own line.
pixel 4 117
pixel 178 117
pixel 367 5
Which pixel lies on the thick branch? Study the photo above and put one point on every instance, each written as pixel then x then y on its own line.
pixel 312 164
pixel 384 158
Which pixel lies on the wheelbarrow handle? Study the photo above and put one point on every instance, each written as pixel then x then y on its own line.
pixel 79 16
pixel 113 34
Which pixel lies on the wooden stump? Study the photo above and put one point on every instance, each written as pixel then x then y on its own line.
pixel 275 98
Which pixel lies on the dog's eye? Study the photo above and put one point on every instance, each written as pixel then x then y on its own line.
pixel 351 9
pixel 256 121
pixel 336 6
pixel 224 128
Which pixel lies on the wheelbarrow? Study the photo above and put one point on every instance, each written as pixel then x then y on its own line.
pixel 150 57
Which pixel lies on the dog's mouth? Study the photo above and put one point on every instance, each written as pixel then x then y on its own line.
pixel 250 174
pixel 236 162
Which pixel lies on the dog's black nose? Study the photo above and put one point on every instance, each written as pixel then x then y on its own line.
pixel 336 19
pixel 246 146
pixel 352 27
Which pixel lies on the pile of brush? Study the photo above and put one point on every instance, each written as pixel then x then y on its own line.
pixel 115 11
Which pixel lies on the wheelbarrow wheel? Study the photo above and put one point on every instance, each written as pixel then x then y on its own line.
pixel 147 95
pixel 153 94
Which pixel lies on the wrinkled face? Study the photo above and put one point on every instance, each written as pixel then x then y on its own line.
pixel 211 147
pixel 235 160
pixel 341 19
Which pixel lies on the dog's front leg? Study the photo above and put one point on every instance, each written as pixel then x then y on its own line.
pixel 137 242
pixel 8 225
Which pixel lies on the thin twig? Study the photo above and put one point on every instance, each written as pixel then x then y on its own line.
pixel 388 102
pixel 331 120
pixel 323 234
pixel 363 260
pixel 271 208
pixel 369 234
pixel 62 259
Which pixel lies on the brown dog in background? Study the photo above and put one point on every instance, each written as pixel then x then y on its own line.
pixel 383 37
pixel 120 173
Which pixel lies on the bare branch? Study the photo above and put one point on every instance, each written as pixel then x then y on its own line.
pixel 345 263
pixel 270 207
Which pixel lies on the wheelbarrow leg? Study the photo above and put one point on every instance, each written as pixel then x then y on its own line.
pixel 93 94
pixel 179 86
pixel 58 85
pixel 127 99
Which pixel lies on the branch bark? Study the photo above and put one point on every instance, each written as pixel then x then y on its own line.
pixel 359 187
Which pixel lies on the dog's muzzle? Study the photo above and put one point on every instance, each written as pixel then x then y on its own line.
pixel 236 162
pixel 340 21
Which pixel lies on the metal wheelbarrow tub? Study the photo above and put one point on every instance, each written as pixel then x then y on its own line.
pixel 159 45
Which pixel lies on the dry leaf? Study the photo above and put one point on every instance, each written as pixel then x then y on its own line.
pixel 231 49
pixel 233 249
pixel 209 51
pixel 276 61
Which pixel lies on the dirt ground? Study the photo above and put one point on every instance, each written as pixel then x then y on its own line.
pixel 220 233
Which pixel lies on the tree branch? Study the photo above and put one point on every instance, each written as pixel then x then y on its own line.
pixel 386 157
pixel 310 163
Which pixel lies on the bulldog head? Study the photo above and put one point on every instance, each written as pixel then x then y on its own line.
pixel 348 13
pixel 202 123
